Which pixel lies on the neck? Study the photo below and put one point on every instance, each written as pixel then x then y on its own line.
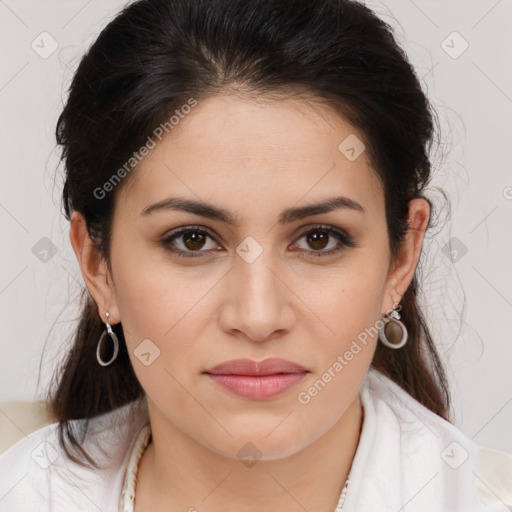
pixel 177 473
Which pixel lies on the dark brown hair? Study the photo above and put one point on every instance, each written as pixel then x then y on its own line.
pixel 156 55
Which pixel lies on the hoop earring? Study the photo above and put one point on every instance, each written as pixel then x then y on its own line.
pixel 115 341
pixel 394 319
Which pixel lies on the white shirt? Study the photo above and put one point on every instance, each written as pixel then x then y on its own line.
pixel 408 459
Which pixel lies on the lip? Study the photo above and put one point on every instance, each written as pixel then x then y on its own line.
pixel 257 380
pixel 269 366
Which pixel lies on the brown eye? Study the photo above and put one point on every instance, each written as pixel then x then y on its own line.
pixel 320 238
pixel 189 240
pixel 317 240
pixel 193 240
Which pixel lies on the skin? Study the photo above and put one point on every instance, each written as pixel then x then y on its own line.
pixel 254 158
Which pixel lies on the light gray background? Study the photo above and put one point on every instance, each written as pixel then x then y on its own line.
pixel 467 296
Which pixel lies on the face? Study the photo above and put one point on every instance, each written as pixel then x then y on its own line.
pixel 265 284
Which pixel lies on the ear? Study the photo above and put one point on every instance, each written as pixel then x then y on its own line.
pixel 402 269
pixel 94 269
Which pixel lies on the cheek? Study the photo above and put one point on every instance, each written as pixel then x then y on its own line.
pixel 146 310
pixel 346 353
pixel 154 296
pixel 163 311
pixel 159 333
pixel 347 301
pixel 349 309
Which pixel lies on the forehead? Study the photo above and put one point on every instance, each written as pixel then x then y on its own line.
pixel 244 152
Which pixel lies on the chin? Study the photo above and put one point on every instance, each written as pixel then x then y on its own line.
pixel 261 446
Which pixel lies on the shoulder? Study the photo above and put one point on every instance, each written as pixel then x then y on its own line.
pixel 23 470
pixel 37 475
pixel 495 478
pixel 428 450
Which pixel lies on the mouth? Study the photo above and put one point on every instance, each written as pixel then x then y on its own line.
pixel 257 380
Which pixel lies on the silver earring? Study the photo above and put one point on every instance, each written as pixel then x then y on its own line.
pixel 393 321
pixel 115 341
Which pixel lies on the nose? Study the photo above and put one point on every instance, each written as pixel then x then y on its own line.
pixel 256 299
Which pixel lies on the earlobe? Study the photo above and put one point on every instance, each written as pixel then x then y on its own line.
pixel 93 267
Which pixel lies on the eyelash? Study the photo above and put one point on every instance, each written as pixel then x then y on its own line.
pixel 345 241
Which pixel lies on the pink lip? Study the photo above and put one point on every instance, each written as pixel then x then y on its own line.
pixel 257 380
pixel 269 366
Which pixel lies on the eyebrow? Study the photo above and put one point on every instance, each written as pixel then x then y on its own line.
pixel 220 214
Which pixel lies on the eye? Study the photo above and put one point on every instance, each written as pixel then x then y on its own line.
pixel 320 237
pixel 189 240
pixel 194 241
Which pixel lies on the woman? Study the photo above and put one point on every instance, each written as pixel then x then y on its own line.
pixel 244 184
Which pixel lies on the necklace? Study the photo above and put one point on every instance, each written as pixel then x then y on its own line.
pixel 343 495
pixel 143 439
